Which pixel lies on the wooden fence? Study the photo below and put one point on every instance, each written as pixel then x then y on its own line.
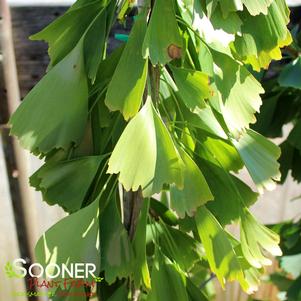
pixel 23 215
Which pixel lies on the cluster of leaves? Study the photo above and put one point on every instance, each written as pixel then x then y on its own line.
pixel 165 116
pixel 282 105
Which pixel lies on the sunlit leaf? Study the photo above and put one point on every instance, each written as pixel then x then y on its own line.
pixel 221 256
pixel 239 91
pixel 193 87
pixel 262 36
pixel 145 155
pixel 255 238
pixel 77 232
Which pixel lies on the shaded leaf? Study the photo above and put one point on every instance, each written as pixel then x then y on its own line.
pixel 168 282
pixel 141 272
pixel 54 124
pixel 196 191
pixel 260 157
pixel 115 247
pixel 66 183
pixel 163 41
pixel 127 86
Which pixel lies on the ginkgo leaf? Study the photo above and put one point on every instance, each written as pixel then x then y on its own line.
pixel 115 247
pixel 79 232
pixel 66 182
pixel 126 95
pixel 255 238
pixel 219 251
pixel 239 91
pixel 192 87
pixel 231 195
pixel 145 155
pixel 172 240
pixel 67 28
pixel 60 105
pixel 204 119
pixel 260 157
pixel 168 282
pixel 163 41
pixel 255 7
pixel 94 44
pixel 262 36
pixel 196 191
pixel 221 153
pixel 141 272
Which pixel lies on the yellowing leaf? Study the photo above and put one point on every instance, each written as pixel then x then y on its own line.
pixel 145 155
pixel 163 41
pixel 60 105
pixel 262 36
pixel 127 86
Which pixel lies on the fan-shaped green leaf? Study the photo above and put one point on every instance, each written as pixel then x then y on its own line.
pixel 60 105
pixel 239 91
pixel 221 256
pixel 66 183
pixel 255 238
pixel 145 155
pixel 77 232
pixel 68 29
pixel 126 88
pixel 196 191
pixel 260 157
pixel 193 87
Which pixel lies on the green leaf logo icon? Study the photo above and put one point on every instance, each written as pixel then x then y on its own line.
pixel 9 271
